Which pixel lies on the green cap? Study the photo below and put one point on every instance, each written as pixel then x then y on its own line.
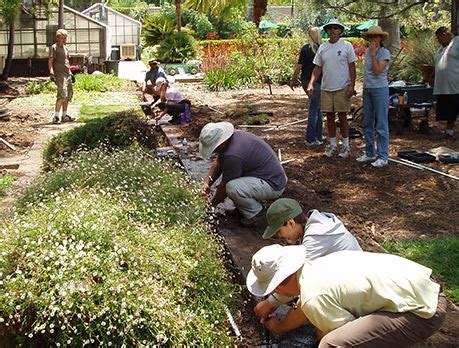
pixel 279 212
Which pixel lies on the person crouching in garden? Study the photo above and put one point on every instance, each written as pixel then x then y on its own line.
pixel 306 66
pixel 319 232
pixel 171 102
pixel 250 170
pixel 59 72
pixel 353 298
pixel 376 98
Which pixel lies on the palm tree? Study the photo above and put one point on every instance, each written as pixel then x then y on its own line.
pixel 9 10
pixel 178 15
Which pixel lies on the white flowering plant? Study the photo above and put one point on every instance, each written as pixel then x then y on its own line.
pixel 113 248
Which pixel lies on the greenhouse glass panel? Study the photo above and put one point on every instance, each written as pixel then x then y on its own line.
pixel 82 35
pixel 27 51
pixel 83 48
pixel 27 37
pixel 41 37
pixel 81 22
pixel 95 49
pixel 94 35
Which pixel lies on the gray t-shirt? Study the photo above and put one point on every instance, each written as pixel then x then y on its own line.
pixel 370 80
pixel 248 155
pixel 60 55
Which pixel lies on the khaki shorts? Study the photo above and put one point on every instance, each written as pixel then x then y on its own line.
pixel 64 86
pixel 336 101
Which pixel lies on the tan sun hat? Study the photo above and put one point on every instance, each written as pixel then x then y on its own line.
pixel 375 30
pixel 212 135
pixel 159 82
pixel 271 265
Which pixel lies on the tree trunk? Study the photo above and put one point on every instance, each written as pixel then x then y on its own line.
pixel 250 11
pixel 9 55
pixel 392 26
pixel 60 20
pixel 259 10
pixel 178 15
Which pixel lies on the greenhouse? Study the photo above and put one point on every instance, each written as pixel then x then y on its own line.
pixel 125 31
pixel 87 38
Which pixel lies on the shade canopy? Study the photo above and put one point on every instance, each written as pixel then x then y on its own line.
pixel 265 24
pixel 367 24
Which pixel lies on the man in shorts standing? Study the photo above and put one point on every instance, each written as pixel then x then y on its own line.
pixel 59 72
pixel 335 60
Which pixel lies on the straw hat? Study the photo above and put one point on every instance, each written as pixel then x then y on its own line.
pixel 212 135
pixel 375 30
pixel 271 265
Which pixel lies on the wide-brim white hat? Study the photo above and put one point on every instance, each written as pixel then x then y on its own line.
pixel 213 135
pixel 375 30
pixel 159 82
pixel 271 265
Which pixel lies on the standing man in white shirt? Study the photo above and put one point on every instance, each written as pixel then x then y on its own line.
pixel 335 60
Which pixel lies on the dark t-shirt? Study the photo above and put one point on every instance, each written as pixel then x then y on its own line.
pixel 307 66
pixel 249 155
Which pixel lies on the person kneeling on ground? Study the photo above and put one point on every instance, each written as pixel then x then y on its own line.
pixel 353 298
pixel 320 233
pixel 251 171
pixel 171 102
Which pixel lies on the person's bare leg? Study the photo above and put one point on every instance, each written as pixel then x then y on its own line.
pixel 65 104
pixel 344 124
pixel 58 105
pixel 331 126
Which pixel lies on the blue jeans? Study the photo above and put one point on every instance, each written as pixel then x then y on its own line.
pixel 375 113
pixel 314 128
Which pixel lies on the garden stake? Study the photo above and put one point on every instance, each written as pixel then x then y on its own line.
pixel 285 125
pixel 279 155
pixel 232 322
pixel 288 161
pixel 421 167
pixel 11 146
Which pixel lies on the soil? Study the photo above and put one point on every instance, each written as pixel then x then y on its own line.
pixel 391 203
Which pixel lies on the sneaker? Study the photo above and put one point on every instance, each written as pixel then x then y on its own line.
pixel 331 150
pixel 380 163
pixel 55 119
pixel 67 118
pixel 345 152
pixel 365 158
pixel 255 220
pixel 314 143
pixel 318 142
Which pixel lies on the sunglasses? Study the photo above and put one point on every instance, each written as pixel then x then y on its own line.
pixel 333 27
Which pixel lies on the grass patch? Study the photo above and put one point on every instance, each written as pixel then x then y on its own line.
pixel 90 112
pixel 112 249
pixel 100 83
pixel 118 130
pixel 438 254
pixel 6 180
pixel 260 119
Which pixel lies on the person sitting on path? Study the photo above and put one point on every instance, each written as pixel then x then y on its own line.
pixel 376 98
pixel 306 66
pixel 335 60
pixel 60 73
pixel 319 232
pixel 150 80
pixel 353 298
pixel 171 102
pixel 446 84
pixel 251 171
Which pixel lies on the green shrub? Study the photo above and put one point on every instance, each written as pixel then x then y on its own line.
pixel 157 27
pixel 36 87
pixel 220 80
pixel 199 22
pixel 118 130
pixel 100 83
pixel 418 50
pixel 111 249
pixel 438 254
pixel 178 47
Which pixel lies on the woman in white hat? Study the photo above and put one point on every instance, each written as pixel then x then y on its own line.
pixel 376 98
pixel 171 101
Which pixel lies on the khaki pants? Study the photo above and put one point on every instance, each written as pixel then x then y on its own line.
pixel 386 330
pixel 247 192
pixel 64 86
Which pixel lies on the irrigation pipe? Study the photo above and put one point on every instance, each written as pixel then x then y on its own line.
pixel 421 167
pixel 284 125
pixel 232 322
pixel 288 161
